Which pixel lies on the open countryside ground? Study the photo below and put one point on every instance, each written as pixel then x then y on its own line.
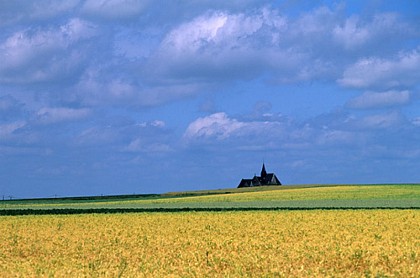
pixel 275 242
pixel 317 243
pixel 282 197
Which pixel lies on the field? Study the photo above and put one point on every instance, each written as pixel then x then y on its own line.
pixel 282 197
pixel 302 231
pixel 214 244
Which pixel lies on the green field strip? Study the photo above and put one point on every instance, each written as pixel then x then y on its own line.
pixel 349 196
pixel 317 204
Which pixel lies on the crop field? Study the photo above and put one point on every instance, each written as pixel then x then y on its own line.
pixel 297 231
pixel 316 243
pixel 282 197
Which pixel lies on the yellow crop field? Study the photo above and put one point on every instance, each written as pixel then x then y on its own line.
pixel 340 243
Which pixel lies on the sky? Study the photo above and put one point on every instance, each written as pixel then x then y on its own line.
pixel 140 96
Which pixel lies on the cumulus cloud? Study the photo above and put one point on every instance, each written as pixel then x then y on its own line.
pixel 218 29
pixel 99 87
pixel 35 55
pixel 381 121
pixel 355 32
pixel 350 34
pixel 221 45
pixel 218 131
pixel 95 88
pixel 217 125
pixel 22 10
pixel 380 99
pixel 78 77
pixel 206 49
pixel 127 136
pixel 224 46
pixel 327 132
pixel 401 71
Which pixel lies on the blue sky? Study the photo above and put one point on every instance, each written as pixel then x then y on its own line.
pixel 126 96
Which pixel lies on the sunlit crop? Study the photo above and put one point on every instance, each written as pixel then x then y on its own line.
pixel 348 196
pixel 276 243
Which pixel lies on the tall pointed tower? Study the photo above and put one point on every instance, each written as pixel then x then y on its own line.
pixel 265 179
pixel 263 172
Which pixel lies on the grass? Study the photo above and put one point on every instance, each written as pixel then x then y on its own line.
pixel 281 197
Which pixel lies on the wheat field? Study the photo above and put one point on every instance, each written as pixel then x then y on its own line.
pixel 339 243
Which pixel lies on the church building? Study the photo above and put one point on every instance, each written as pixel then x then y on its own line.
pixel 264 179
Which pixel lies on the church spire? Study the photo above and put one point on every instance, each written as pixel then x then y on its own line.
pixel 263 171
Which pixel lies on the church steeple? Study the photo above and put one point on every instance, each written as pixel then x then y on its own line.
pixel 263 172
pixel 266 179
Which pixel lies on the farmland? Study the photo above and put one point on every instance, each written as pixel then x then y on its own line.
pixel 303 231
pixel 340 243
pixel 283 197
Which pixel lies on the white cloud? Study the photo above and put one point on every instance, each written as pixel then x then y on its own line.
pixel 49 115
pixel 316 22
pixel 217 125
pixel 225 45
pixel 219 131
pixel 22 10
pixel 356 32
pixel 39 55
pixel 380 100
pixel 221 31
pixel 351 35
pixel 404 70
pixel 158 123
pixel 194 35
pixel 127 136
pixel 222 45
pixel 381 121
pixel 98 87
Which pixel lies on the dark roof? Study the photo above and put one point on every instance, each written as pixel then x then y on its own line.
pixel 264 179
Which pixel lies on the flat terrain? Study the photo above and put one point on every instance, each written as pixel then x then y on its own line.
pixel 287 231
pixel 316 243
pixel 403 196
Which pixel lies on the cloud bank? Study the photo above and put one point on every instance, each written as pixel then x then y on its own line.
pixel 116 91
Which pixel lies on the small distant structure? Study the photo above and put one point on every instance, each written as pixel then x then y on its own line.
pixel 264 179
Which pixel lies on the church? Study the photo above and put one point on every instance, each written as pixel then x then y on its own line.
pixel 264 179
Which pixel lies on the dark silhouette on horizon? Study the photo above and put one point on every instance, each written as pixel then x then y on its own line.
pixel 264 179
